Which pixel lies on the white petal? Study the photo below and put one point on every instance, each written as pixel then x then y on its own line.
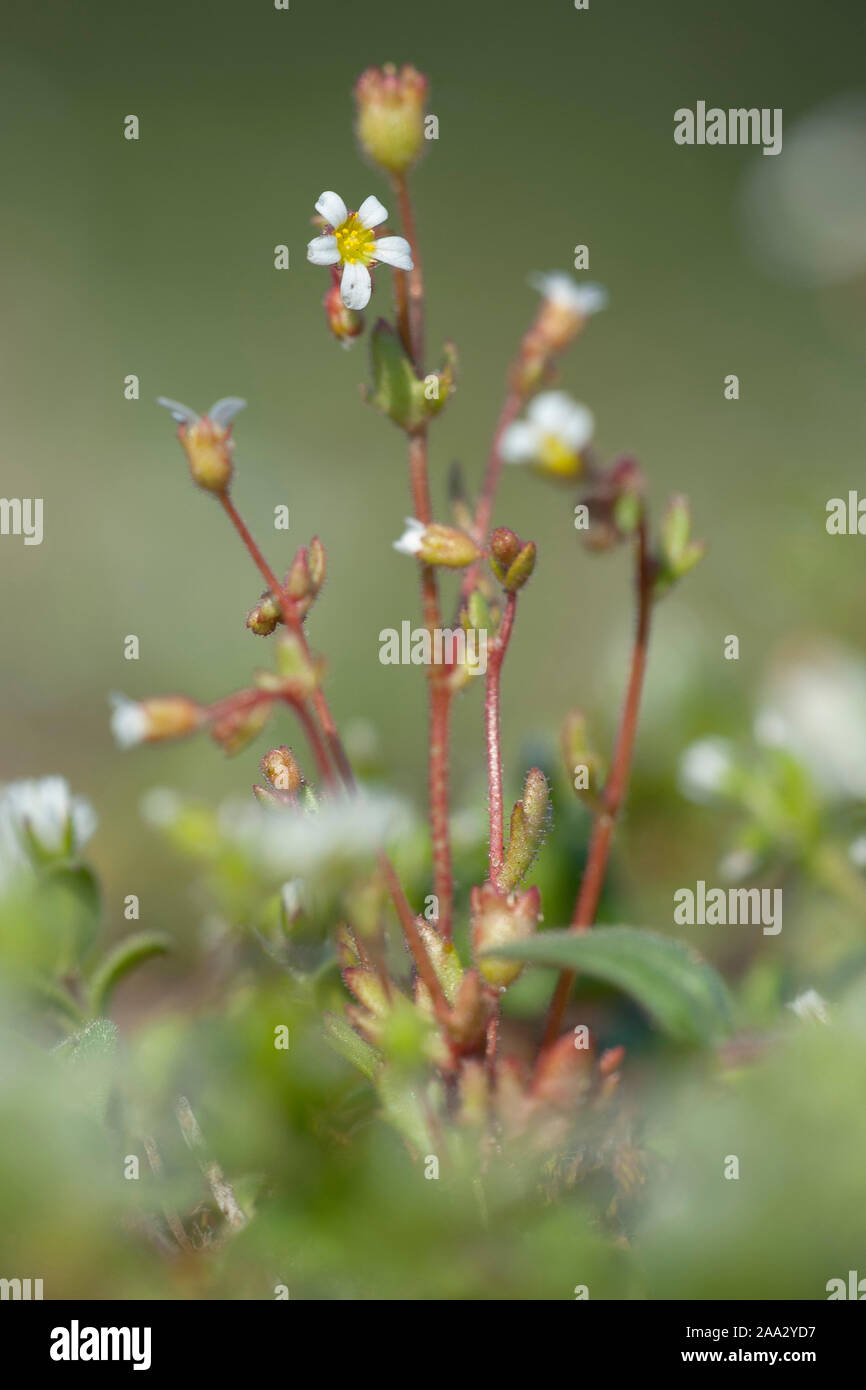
pixel 181 413
pixel 550 411
pixel 371 213
pixel 332 208
pixel 128 721
pixel 322 250
pixel 356 286
pixel 410 541
pixel 519 443
pixel 394 250
pixel 584 299
pixel 225 410
pixel 579 427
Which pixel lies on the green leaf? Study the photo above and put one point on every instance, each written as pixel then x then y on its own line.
pixel 345 1040
pixel 119 962
pixel 678 989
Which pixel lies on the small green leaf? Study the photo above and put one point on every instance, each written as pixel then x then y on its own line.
pixel 345 1040
pixel 681 992
pixel 119 962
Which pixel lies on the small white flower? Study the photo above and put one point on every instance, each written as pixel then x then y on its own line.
pixel 411 540
pixel 814 707
pixel 352 242
pixel 857 852
pixel 737 865
pixel 45 812
pixel 552 436
pixel 129 722
pixel 342 831
pixel 704 769
pixel 567 294
pixel 161 807
pixel 810 1007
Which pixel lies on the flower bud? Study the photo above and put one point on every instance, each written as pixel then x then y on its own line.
pixel 521 569
pixel 153 720
pixel 345 324
pixel 678 552
pixel 584 767
pixel 504 549
pixel 233 731
pixel 498 919
pixel 297 669
pixel 281 770
pixel 316 564
pixel 298 585
pixel 470 1012
pixel 437 545
pixel 529 821
pixel 265 616
pixel 391 115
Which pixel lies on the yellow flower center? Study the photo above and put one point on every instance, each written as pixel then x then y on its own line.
pixel 354 242
pixel 555 457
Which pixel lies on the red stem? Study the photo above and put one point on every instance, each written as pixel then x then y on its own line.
pixel 611 801
pixel 494 752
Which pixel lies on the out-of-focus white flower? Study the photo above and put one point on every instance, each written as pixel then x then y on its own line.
pixel 289 843
pixel 161 807
pixel 705 768
pixel 152 720
pixel 857 852
pixel 128 720
pixel 353 243
pixel 41 816
pixel 815 707
pixel 293 896
pixel 810 1007
pixel 565 293
pixel 737 865
pixel 551 437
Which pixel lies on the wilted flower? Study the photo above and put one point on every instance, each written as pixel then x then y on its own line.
pixel 391 115
pixel 552 437
pixel 207 440
pixel 352 242
pixel 151 720
pixel 437 545
pixel 43 818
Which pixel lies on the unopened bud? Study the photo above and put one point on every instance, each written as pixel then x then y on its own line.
pixel 281 770
pixel 345 324
pixel 235 730
pixel 583 765
pixel 521 569
pixel 265 616
pixel 498 919
pixel 504 549
pixel 391 115
pixel 678 553
pixel 298 583
pixel 529 821
pixel 316 564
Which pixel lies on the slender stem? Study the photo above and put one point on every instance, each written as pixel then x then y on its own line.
pixel 412 329
pixel 314 739
pixel 221 1189
pixel 487 497
pixel 614 792
pixel 492 724
pixel 415 308
pixel 290 617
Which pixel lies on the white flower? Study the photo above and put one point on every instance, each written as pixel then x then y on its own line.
pixel 352 242
pixel 815 708
pixel 44 814
pixel 810 1007
pixel 552 436
pixel 857 852
pixel 704 769
pixel 289 843
pixel 129 721
pixel 412 538
pixel 567 294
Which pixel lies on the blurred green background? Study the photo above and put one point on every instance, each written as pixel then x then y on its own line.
pixel 156 258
